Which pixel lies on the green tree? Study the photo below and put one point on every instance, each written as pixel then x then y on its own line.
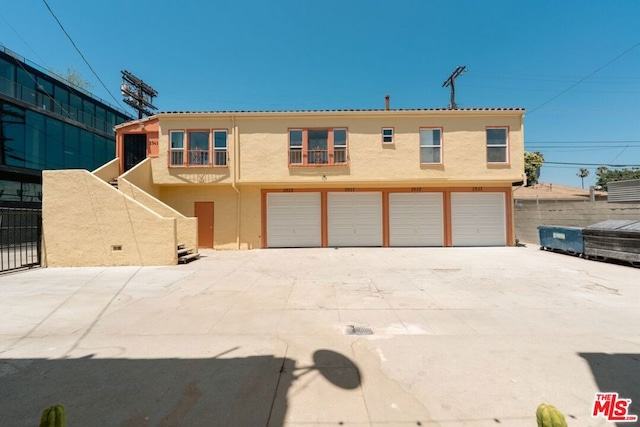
pixel 532 164
pixel 583 173
pixel 606 175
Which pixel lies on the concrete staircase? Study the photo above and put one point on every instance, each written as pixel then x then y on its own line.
pixel 186 255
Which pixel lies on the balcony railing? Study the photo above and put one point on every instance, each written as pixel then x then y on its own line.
pixel 197 157
pixel 318 157
pixel 176 158
pixel 220 158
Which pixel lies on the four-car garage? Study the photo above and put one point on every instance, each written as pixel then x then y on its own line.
pixel 364 218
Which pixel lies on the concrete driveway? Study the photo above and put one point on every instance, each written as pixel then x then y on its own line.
pixel 322 337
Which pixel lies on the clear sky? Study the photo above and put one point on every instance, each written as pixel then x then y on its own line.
pixel 335 54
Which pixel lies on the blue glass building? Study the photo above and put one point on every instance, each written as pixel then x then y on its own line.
pixel 47 123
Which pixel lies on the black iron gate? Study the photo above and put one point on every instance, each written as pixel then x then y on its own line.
pixel 20 238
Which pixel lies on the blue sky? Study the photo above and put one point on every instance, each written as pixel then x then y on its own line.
pixel 252 55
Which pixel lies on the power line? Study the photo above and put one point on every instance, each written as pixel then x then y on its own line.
pixel 556 77
pixel 80 53
pixel 575 148
pixel 584 142
pixel 582 79
pixel 591 164
pixel 23 40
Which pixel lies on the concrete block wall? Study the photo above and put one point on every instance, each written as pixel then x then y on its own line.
pixel 570 214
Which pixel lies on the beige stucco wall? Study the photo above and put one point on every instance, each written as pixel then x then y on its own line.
pixel 84 217
pixel 263 148
pixel 138 184
pixel 141 176
pixel 108 171
pixel 224 198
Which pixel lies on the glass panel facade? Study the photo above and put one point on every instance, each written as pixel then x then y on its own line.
pixel 71 147
pixel 55 144
pixel 26 86
pixel 58 128
pixel 75 107
pixel 61 95
pixel 86 150
pixel 13 135
pixel 35 142
pixel 7 78
pixel 44 94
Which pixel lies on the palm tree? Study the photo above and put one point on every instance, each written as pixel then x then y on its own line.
pixel 583 173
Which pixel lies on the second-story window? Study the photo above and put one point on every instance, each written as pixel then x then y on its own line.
pixel 318 146
pixel 387 135
pixel 295 147
pixel 339 146
pixel 176 148
pixel 220 147
pixel 497 143
pixel 430 146
pixel 198 148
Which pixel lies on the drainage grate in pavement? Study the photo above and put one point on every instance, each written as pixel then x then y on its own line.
pixel 358 330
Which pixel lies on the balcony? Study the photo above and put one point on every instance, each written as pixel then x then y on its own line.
pixel 317 157
pixel 197 158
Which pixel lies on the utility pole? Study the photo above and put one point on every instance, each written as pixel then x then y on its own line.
pixel 138 94
pixel 451 82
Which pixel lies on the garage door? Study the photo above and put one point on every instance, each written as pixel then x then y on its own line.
pixel 355 219
pixel 415 219
pixel 478 219
pixel 293 220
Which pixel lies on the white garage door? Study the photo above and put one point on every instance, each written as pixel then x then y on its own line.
pixel 478 219
pixel 355 219
pixel 415 219
pixel 293 220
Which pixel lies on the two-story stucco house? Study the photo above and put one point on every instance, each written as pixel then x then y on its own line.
pixel 267 179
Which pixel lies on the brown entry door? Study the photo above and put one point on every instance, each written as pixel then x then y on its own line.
pixel 204 213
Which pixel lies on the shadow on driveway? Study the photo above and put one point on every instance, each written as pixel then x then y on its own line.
pixel 243 391
pixel 617 373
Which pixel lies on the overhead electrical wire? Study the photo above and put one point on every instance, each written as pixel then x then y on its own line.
pixel 582 79
pixel 80 53
pixel 593 164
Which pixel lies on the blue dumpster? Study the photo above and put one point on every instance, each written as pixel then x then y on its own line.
pixel 563 239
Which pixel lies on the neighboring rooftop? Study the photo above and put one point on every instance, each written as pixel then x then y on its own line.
pixel 551 191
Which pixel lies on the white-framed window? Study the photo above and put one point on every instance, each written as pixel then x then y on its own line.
pixel 295 146
pixel 339 146
pixel 220 148
pixel 430 146
pixel 387 135
pixel 176 150
pixel 497 145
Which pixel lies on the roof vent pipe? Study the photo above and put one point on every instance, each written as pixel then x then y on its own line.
pixel 386 102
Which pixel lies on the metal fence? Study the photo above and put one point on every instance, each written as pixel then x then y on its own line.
pixel 20 238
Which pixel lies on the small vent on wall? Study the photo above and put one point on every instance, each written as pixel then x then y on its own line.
pixel 116 247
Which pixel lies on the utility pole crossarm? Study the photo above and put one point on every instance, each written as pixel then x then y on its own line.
pixel 450 82
pixel 138 94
